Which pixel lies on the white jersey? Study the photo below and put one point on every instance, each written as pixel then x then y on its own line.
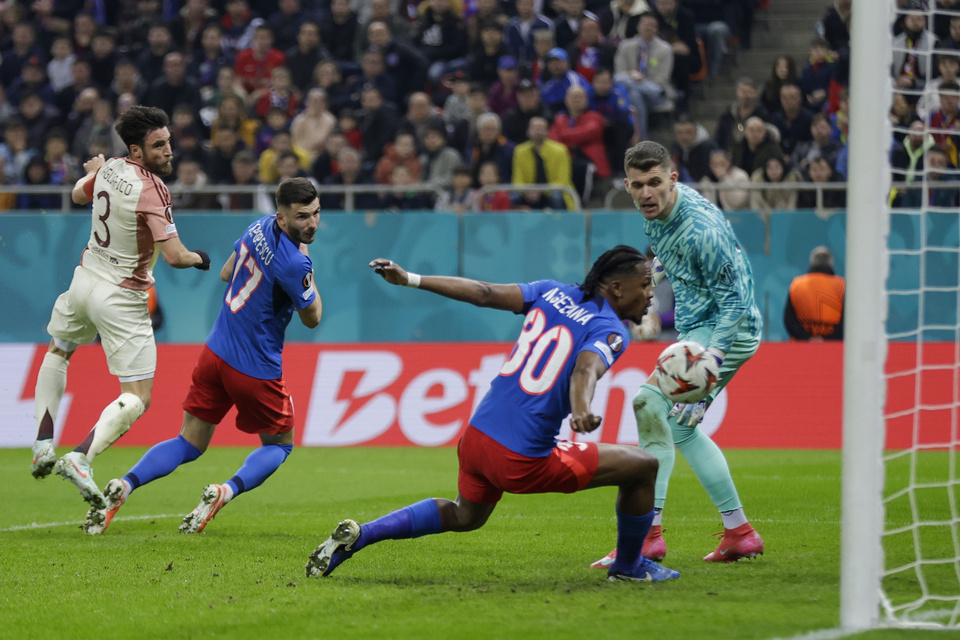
pixel 131 212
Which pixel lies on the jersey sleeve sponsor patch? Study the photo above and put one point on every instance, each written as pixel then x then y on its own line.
pixel 307 286
pixel 606 351
pixel 170 228
pixel 615 340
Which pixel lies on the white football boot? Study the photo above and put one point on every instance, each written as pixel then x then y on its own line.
pixel 75 467
pixel 44 457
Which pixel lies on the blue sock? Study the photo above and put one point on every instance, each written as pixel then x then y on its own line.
pixel 259 465
pixel 631 530
pixel 413 521
pixel 160 460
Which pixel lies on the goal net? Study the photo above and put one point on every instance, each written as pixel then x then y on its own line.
pixel 901 503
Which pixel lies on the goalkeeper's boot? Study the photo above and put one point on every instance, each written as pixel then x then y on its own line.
pixel 75 467
pixel 645 570
pixel 336 549
pixel 211 501
pixel 98 520
pixel 654 548
pixel 741 542
pixel 44 457
pixel 605 561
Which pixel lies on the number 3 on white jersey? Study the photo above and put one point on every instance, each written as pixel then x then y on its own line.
pixel 534 342
pixel 237 301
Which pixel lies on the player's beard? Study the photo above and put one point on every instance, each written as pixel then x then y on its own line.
pixel 298 237
pixel 163 168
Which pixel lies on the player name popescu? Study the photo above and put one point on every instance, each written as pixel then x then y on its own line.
pixel 566 306
pixel 260 244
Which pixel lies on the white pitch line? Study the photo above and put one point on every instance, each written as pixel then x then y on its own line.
pixel 914 622
pixel 824 634
pixel 77 523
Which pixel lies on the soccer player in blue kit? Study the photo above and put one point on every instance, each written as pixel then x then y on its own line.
pixel 571 335
pixel 713 284
pixel 270 275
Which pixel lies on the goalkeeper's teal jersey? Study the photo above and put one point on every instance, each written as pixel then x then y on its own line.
pixel 711 276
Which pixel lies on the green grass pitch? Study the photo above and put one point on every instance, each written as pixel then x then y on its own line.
pixel 524 575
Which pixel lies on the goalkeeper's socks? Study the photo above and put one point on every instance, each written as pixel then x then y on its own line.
pixel 259 465
pixel 160 460
pixel 413 521
pixel 631 530
pixel 657 517
pixel 734 518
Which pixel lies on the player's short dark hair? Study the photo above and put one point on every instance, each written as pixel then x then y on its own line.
pixel 295 191
pixel 135 124
pixel 646 155
pixel 620 260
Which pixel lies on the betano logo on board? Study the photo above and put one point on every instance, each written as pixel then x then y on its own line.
pixel 422 394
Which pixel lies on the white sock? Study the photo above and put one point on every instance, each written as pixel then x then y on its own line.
pixel 733 519
pixel 657 515
pixel 114 422
pixel 51 383
pixel 227 492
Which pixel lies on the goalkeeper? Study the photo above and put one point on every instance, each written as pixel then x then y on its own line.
pixel 713 286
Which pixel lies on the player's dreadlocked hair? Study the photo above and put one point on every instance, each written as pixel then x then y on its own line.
pixel 617 261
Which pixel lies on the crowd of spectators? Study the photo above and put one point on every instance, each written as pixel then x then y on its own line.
pixel 356 92
pixel 431 92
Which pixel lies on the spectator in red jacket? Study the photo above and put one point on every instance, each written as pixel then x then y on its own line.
pixel 281 93
pixel 254 65
pixel 581 130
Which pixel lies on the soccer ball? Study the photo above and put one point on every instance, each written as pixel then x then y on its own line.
pixel 685 373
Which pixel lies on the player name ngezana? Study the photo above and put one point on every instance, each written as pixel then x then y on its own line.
pixel 260 244
pixel 116 181
pixel 566 306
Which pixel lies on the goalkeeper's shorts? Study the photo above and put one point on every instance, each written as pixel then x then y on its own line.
pixel 742 350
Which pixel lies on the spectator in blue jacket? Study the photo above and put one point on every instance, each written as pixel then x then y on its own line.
pixel 518 34
pixel 612 101
pixel 557 78
pixel 816 75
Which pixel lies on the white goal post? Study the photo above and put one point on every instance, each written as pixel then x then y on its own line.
pixel 900 523
pixel 861 553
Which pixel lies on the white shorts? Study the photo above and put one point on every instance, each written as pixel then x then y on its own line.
pixel 92 305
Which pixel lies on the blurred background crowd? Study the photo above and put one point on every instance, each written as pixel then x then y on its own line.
pixel 453 95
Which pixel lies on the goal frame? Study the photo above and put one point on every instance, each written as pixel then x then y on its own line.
pixel 865 344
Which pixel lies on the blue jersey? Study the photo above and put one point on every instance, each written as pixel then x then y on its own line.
pixel 530 398
pixel 270 279
pixel 711 277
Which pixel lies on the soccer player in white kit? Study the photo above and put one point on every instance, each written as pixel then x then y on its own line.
pixel 108 296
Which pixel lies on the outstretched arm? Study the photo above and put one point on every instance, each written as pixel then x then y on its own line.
pixel 507 297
